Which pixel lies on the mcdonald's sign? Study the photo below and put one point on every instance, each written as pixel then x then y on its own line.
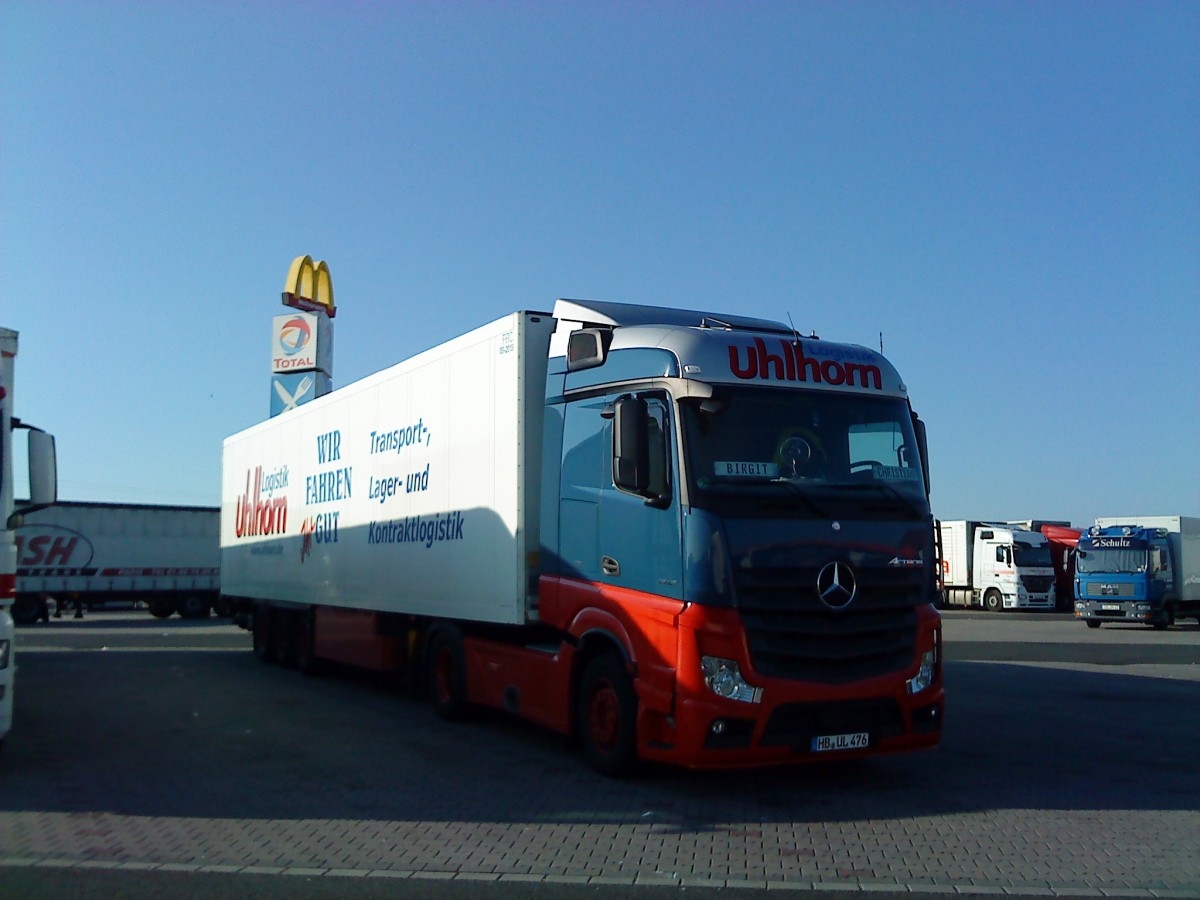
pixel 309 286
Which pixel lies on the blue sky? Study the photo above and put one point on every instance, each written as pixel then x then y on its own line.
pixel 1008 192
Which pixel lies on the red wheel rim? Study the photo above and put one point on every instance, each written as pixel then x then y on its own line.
pixel 604 717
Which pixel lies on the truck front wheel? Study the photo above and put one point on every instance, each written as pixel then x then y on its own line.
pixel 1092 623
pixel 607 716
pixel 1166 618
pixel 993 601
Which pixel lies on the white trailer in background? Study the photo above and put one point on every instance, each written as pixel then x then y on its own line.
pixel 168 557
pixel 996 566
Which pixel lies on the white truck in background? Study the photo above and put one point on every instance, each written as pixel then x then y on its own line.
pixel 996 566
pixel 168 557
pixel 41 485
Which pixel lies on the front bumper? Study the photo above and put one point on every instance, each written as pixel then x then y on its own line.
pixel 795 721
pixel 1137 611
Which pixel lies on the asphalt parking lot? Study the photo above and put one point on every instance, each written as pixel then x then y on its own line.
pixel 149 751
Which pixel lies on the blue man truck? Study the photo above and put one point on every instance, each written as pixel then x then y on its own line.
pixel 1142 569
pixel 675 536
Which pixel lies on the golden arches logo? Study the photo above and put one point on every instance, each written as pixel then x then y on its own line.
pixel 309 286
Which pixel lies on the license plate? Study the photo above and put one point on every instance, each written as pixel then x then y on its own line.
pixel 840 741
pixel 1115 607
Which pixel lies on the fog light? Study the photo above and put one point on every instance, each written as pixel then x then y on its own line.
pixel 5 648
pixel 724 678
pixel 924 676
pixel 718 727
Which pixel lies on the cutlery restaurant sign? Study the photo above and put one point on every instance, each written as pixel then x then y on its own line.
pixel 302 340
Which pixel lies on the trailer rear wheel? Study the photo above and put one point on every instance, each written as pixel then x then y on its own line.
pixel 28 608
pixel 993 601
pixel 264 649
pixel 161 607
pixel 305 636
pixel 447 674
pixel 283 637
pixel 193 606
pixel 607 716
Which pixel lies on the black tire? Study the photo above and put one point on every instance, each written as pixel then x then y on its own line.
pixel 606 716
pixel 446 674
pixel 305 642
pixel 193 606
pixel 264 648
pixel 993 601
pixel 28 609
pixel 1165 619
pixel 1092 623
pixel 161 607
pixel 222 606
pixel 283 637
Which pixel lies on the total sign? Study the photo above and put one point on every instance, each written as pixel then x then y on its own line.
pixel 301 342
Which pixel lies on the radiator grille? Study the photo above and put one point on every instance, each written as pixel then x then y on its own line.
pixel 1105 589
pixel 792 634
pixel 1037 584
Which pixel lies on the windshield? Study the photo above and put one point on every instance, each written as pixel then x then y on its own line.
pixel 1127 560
pixel 1029 556
pixel 804 454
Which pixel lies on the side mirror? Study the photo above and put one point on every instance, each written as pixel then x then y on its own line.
pixel 631 446
pixel 43 469
pixel 43 473
pixel 922 448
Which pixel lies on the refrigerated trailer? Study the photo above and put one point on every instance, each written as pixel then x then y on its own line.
pixel 167 557
pixel 678 536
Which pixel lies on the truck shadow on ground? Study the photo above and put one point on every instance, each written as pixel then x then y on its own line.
pixel 219 735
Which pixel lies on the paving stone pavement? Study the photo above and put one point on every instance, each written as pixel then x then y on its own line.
pixel 205 760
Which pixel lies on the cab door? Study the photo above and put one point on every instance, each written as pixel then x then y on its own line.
pixel 640 542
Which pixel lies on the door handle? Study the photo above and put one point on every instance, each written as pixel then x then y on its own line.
pixel 609 566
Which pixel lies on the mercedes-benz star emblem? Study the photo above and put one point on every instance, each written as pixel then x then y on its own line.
pixel 836 585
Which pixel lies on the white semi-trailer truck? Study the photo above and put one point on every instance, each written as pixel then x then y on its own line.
pixel 684 537
pixel 168 557
pixel 40 486
pixel 996 566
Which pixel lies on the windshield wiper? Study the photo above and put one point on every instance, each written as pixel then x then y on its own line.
pixel 887 489
pixel 799 491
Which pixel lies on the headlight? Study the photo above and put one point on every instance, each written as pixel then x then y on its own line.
pixel 924 676
pixel 4 651
pixel 724 679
